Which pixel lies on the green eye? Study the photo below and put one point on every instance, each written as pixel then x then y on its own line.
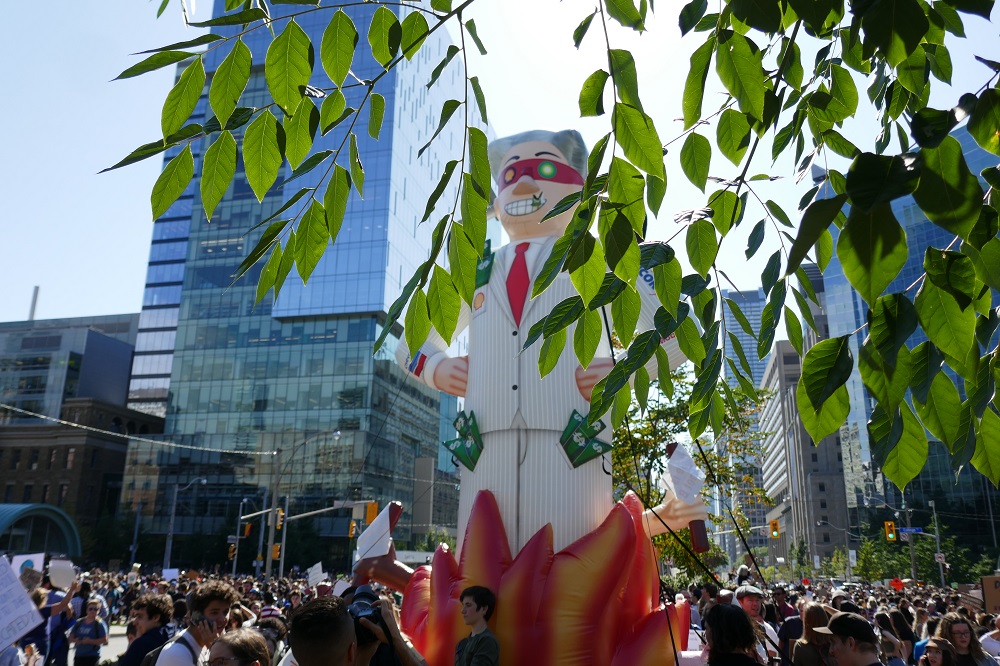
pixel 547 170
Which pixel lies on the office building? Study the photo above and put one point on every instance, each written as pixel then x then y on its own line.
pixel 236 381
pixel 962 502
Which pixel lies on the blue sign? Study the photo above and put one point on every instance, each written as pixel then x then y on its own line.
pixel 911 529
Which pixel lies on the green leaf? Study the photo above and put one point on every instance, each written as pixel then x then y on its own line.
pixel 335 199
pixel 727 210
pixel 769 276
pixel 414 32
pixel 875 179
pixel 815 221
pixel 479 163
pixel 417 323
pixel 950 328
pixel 451 53
pixel 740 71
pixel 986 459
pixel 942 409
pixel 741 318
pixel 376 111
pixel 764 15
pixel 432 200
pixel 288 66
pixel 694 84
pixel 702 246
pixel 299 131
pixel 826 420
pixel 826 367
pixel 592 94
pixel 197 41
pixel 902 464
pixel 872 249
pixel 624 77
pixel 443 303
pixel 262 153
pixel 733 135
pixel 551 351
pixel 268 274
pixel 690 14
pixel 984 125
pixel 470 26
pixel 154 62
pixel 172 182
pixel 311 240
pixel 690 342
pixel 447 111
pixel 895 27
pixel 948 193
pixel 624 12
pixel 585 264
pixel 443 6
pixel 357 170
pixel 473 207
pixel 836 142
pixel 625 186
pixel 706 382
pixel 587 336
pixel 755 239
pixel 239 18
pixel 656 189
pixel 988 263
pixel 620 249
pixel 939 60
pixel 794 329
pixel 893 320
pixel 887 384
pixel 217 171
pixel 641 381
pixel 636 134
pixel 463 258
pixel 667 284
pixel 265 243
pixel 229 81
pixel 927 362
pixel 384 35
pixel 332 111
pixel 477 91
pixel 581 30
pixel 696 156
pixel 336 51
pixel 182 98
pixel 953 272
pixel 625 314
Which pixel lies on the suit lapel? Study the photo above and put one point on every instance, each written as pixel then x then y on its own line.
pixel 533 272
pixel 498 284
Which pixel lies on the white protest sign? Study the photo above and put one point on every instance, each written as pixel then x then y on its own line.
pixel 61 573
pixel 171 574
pixel 375 540
pixel 340 586
pixel 21 562
pixel 18 615
pixel 316 575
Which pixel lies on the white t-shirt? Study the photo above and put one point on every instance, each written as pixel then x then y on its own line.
pixel 175 654
pixel 990 645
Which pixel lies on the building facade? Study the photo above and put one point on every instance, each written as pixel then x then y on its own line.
pixel 237 381
pixel 964 500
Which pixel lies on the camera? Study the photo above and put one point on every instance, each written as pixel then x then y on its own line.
pixel 365 606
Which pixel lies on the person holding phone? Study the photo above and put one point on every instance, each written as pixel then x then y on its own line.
pixel 210 605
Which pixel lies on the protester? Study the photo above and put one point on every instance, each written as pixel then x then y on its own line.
pixel 892 647
pixel 246 647
pixel 480 648
pixel 750 598
pixel 939 652
pixel 853 641
pixel 150 615
pixel 958 630
pixel 730 636
pixel 812 648
pixel 39 635
pixel 210 605
pixel 88 635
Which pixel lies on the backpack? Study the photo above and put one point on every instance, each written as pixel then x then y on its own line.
pixel 153 655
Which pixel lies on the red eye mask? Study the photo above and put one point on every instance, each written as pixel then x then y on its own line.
pixel 539 169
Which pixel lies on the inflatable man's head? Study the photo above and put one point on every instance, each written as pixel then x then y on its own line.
pixel 534 171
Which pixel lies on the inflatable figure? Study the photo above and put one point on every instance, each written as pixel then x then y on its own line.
pixel 522 437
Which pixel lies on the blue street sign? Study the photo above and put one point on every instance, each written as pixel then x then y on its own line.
pixel 911 529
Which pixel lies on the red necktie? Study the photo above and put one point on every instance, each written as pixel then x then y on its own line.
pixel 517 282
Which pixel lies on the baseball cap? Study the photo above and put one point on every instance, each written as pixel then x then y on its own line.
pixel 850 625
pixel 748 590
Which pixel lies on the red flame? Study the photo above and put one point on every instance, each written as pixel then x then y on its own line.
pixel 596 602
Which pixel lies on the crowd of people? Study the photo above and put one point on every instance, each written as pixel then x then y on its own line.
pixel 799 626
pixel 286 622
pixel 219 621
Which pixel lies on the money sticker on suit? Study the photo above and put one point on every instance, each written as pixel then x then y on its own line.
pixel 468 446
pixel 579 440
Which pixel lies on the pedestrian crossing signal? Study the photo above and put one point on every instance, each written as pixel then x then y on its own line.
pixel 276 551
pixel 775 530
pixel 890 530
pixel 232 551
pixel 351 529
pixel 246 529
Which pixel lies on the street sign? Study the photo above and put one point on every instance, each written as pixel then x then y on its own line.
pixel 939 557
pixel 232 538
pixel 911 529
pixel 904 536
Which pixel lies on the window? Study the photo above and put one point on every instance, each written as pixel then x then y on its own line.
pixel 8 493
pixel 815 458
pixel 26 494
pixel 826 537
pixel 822 487
pixel 70 454
pixel 45 494
pixel 95 457
pixel 15 459
pixel 33 462
pixel 63 493
pixel 822 504
pixel 52 457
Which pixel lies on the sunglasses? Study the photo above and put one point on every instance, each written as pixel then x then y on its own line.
pixel 540 170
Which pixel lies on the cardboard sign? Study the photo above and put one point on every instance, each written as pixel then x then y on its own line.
pixel 18 615
pixel 991 593
pixel 61 573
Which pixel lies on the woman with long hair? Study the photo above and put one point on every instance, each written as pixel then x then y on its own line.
pixel 239 647
pixel 891 646
pixel 811 649
pixel 958 630
pixel 901 627
pixel 939 652
pixel 731 637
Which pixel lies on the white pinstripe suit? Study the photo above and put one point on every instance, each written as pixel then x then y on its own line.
pixel 521 416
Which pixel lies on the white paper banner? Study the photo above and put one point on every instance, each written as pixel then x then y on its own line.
pixel 18 615
pixel 375 540
pixel 315 574
pixel 61 573
pixel 21 562
pixel 171 574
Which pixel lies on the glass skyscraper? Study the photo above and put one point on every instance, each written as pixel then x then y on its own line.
pixel 236 381
pixel 846 313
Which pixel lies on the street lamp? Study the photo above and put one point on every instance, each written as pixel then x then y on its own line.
pixel 173 513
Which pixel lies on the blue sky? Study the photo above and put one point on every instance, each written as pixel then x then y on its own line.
pixel 84 238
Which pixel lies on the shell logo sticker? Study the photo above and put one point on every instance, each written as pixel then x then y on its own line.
pixel 478 301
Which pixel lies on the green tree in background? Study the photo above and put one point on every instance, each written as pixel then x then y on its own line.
pixel 777 103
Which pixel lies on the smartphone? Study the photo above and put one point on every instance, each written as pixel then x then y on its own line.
pixel 197 617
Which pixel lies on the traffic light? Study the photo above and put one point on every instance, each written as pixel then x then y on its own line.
pixel 775 530
pixel 276 551
pixel 350 530
pixel 371 512
pixel 890 530
pixel 280 520
pixel 232 551
pixel 247 527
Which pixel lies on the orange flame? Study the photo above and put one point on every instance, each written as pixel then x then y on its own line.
pixel 596 602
